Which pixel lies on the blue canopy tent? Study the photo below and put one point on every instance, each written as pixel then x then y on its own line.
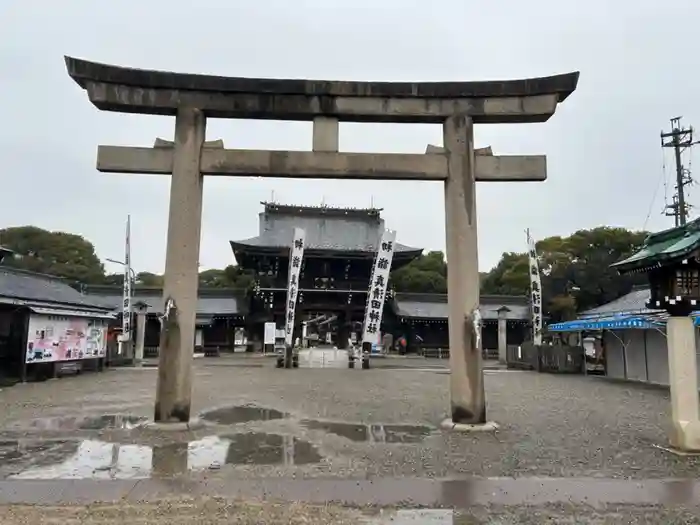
pixel 639 321
pixel 610 322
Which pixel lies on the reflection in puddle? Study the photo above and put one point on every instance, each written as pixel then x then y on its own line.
pixel 102 460
pixel 107 421
pixel 269 449
pixel 241 414
pixel 372 433
pixel 34 452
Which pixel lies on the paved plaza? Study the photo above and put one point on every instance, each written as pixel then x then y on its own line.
pixel 342 444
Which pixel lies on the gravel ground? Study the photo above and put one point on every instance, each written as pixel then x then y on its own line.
pixel 578 515
pixel 558 426
pixel 219 512
pixel 551 426
pixel 179 512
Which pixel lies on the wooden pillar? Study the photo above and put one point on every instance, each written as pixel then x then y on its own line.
pixel 174 391
pixel 466 378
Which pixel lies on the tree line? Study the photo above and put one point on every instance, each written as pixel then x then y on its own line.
pixel 73 258
pixel 576 272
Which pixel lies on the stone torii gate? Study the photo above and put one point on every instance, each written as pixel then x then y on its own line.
pixel 191 99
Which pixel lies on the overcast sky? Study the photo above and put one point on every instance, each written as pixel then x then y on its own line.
pixel 603 147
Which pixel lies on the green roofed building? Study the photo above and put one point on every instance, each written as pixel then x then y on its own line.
pixel 676 250
pixel 632 328
pixel 663 247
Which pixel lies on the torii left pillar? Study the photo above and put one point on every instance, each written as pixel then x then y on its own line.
pixel 174 391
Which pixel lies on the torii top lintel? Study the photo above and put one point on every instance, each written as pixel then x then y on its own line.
pixel 129 90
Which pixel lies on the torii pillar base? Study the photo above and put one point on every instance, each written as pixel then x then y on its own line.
pixel 683 378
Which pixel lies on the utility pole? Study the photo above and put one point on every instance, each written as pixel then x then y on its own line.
pixel 679 139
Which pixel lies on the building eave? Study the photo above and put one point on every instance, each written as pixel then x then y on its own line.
pixel 250 246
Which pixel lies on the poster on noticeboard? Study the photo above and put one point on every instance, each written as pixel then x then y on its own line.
pixel 57 338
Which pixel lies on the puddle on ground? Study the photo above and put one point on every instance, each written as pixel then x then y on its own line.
pixel 92 459
pixel 241 414
pixel 269 449
pixel 371 433
pixel 25 452
pixel 106 421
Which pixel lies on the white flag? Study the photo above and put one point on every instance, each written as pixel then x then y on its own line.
pixel 535 291
pixel 296 255
pixel 378 287
pixel 126 306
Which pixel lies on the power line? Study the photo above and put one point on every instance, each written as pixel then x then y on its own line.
pixel 662 178
pixel 680 139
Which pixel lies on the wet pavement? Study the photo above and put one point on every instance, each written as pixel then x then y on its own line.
pixel 355 438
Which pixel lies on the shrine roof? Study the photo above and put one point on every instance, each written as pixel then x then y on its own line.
pixel 434 306
pixel 210 302
pixel 634 302
pixel 347 244
pixel 34 289
pixel 326 228
pixel 662 248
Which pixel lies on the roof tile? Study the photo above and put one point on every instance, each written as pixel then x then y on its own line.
pixel 663 246
pixel 29 286
pixel 436 307
pixel 335 229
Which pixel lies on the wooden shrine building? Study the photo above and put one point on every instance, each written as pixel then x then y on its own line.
pixel 338 258
pixel 335 271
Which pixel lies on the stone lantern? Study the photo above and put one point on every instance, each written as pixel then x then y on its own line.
pixel 141 309
pixel 671 260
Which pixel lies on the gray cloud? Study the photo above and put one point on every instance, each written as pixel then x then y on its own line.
pixel 603 144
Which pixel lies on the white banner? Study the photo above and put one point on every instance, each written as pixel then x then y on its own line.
pixel 296 256
pixel 126 308
pixel 535 291
pixel 378 286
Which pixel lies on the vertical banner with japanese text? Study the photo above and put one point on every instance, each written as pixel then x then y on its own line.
pixel 535 291
pixel 296 255
pixel 378 287
pixel 126 306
